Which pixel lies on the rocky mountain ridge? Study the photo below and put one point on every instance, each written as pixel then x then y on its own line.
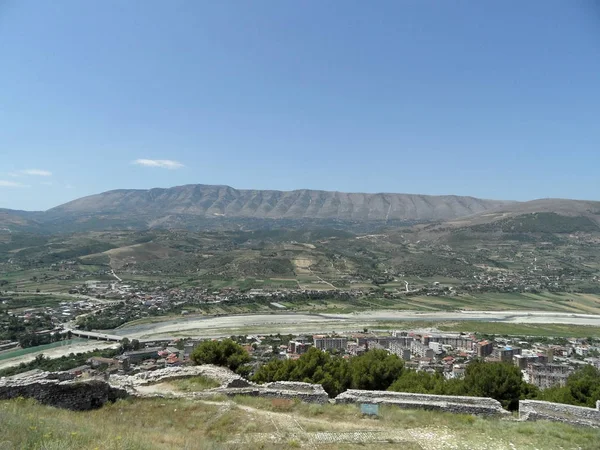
pixel 224 201
pixel 222 207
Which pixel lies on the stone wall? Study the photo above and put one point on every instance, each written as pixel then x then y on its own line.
pixel 295 386
pixel 226 377
pixel 557 412
pixel 231 384
pixel 456 404
pixel 273 393
pixel 60 389
pixel 51 389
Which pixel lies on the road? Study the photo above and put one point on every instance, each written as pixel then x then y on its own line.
pixel 112 271
pixel 321 279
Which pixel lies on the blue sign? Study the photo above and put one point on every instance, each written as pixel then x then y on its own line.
pixel 369 409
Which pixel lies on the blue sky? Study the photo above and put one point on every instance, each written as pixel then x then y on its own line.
pixel 497 99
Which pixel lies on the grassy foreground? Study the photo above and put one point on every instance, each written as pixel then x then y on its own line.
pixel 251 423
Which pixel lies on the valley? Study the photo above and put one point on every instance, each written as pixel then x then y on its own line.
pixel 515 283
pixel 518 266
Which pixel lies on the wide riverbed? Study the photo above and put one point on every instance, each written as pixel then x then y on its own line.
pixel 322 323
pixel 296 323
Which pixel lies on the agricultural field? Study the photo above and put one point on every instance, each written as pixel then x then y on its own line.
pixel 418 268
pixel 574 303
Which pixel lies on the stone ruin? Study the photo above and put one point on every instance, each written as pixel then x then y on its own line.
pixel 64 390
pixel 226 377
pixel 61 390
pixel 465 405
pixel 306 392
pixel 558 412
pixel 231 384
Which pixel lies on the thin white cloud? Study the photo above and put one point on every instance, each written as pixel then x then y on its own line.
pixel 162 163
pixel 12 184
pixel 47 183
pixel 36 172
pixel 69 186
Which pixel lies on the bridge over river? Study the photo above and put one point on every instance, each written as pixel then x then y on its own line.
pixel 95 335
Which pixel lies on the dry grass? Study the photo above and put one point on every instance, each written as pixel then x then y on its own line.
pixel 183 424
pixel 195 384
pixel 131 424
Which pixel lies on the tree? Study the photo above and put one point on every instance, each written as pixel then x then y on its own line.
pixel 225 353
pixel 125 344
pixel 419 383
pixel 498 380
pixel 375 370
pixel 584 386
pixel 314 366
pixel 135 344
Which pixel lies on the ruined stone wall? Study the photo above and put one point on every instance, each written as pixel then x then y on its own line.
pixel 61 390
pixel 264 392
pixel 466 405
pixel 51 389
pixel 557 412
pixel 231 384
pixel 295 386
pixel 226 377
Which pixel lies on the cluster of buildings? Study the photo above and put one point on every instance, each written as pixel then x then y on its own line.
pixel 134 361
pixel 543 365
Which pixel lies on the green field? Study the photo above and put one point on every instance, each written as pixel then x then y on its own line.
pixel 563 302
pixel 9 354
pixel 22 301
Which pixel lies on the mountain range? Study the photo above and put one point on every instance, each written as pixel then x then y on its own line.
pixel 207 206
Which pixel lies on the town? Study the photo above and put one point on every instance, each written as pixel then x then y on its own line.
pixel 544 362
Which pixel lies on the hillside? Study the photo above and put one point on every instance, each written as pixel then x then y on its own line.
pixel 581 209
pixel 215 201
pixel 222 207
pixel 204 207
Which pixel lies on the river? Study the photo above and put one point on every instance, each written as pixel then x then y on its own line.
pixel 322 323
